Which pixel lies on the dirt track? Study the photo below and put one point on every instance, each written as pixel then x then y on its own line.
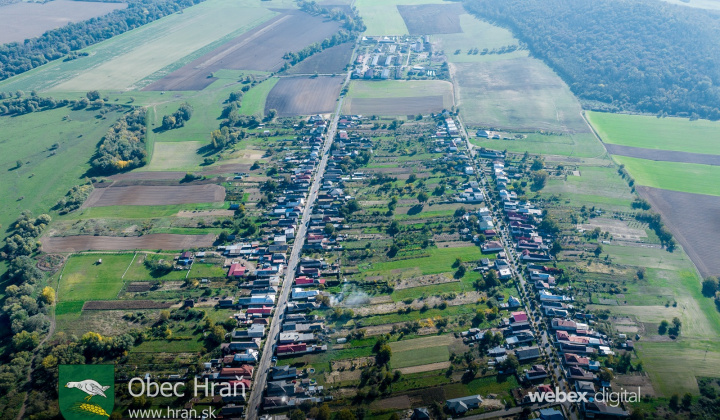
pixel 260 49
pixel 294 96
pixel 140 195
pixel 662 155
pixel 164 241
pixel 426 19
pixel 692 219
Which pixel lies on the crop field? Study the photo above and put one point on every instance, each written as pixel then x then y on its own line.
pixel 517 94
pixel 46 175
pixel 398 97
pixel 675 176
pixel 84 279
pixel 675 134
pixel 164 241
pixel 572 145
pixel 294 96
pixel 478 34
pixel 383 18
pixel 24 20
pixel 260 49
pixel 689 217
pixel 426 19
pixel 139 195
pixel 329 61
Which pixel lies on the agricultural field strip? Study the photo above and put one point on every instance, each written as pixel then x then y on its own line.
pixel 659 155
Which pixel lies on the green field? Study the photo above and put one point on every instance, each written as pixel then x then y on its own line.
pixel 583 145
pixel 677 134
pixel 382 17
pixel 419 357
pixel 596 186
pixel 675 176
pixel 440 260
pixel 477 34
pixel 253 103
pixel 138 212
pixel 398 88
pixel 45 177
pixel 83 279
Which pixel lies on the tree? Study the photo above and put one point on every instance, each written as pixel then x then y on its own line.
pixel 598 250
pixel 412 178
pixel 511 363
pixel 48 295
pixel 709 286
pixel 687 401
pixel 422 197
pixel 539 180
pixel 555 248
pixel 674 402
pixel 168 122
pixel 345 414
pixel 323 412
pixel 460 273
pixel 93 95
pixel 383 355
pixel 605 375
pixel 663 327
pixel 18 164
pixel 297 414
pixel 329 229
pixel 537 164
pixel 394 228
pixel 25 341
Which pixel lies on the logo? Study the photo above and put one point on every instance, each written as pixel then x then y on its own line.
pixel 86 392
pixel 612 398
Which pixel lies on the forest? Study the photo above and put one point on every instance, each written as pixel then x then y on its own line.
pixel 19 57
pixel 631 55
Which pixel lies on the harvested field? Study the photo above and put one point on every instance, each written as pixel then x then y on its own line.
pixel 426 19
pixel 428 280
pixel 395 106
pixel 690 217
pixel 401 402
pixel 260 49
pixel 23 20
pixel 425 368
pixel 145 175
pixel 113 305
pixel 163 241
pixel 294 96
pixel 331 60
pixel 139 286
pixel 155 195
pixel 200 213
pixel 662 155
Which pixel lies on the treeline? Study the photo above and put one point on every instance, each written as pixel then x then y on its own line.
pixel 178 118
pixel 19 57
pixel 636 55
pixel 655 223
pixel 123 146
pixel 352 23
pixel 296 57
pixel 73 199
pixel 20 104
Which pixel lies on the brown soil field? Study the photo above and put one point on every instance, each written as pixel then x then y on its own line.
pixel 155 195
pixel 294 96
pixel 691 218
pixel 110 305
pixel 427 280
pixel 427 19
pixel 395 106
pixel 425 368
pixel 662 155
pixel 259 49
pixel 23 20
pixel 164 241
pixel 331 60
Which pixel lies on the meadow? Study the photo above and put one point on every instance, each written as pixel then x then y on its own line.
pixel 573 145
pixel 438 260
pixel 84 279
pixel 478 34
pixel 46 175
pixel 596 186
pixel 675 176
pixel 676 134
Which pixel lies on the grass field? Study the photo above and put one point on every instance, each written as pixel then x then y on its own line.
pixel 424 356
pixel 381 17
pixel 176 156
pixel 253 103
pixel 516 94
pixel 45 177
pixel 139 212
pixel 84 280
pixel 173 40
pixel 397 97
pixel 477 34
pixel 582 145
pixel 131 55
pixel 675 176
pixel 440 260
pixel 677 134
pixel 596 186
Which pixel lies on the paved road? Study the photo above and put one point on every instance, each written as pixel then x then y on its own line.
pixel 274 333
